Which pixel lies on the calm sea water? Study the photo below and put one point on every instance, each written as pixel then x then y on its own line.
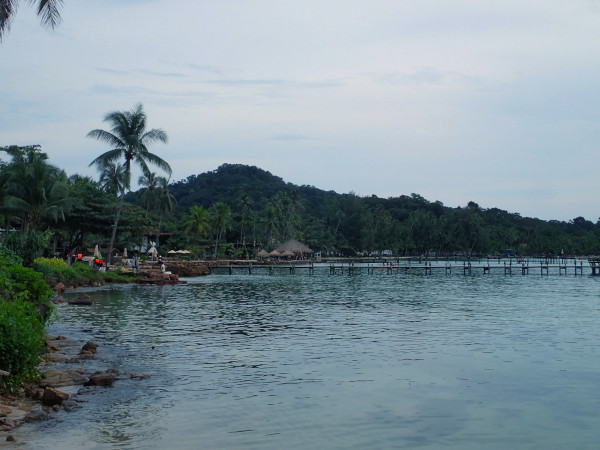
pixel 340 361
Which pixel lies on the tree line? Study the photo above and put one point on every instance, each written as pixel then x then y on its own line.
pixel 236 210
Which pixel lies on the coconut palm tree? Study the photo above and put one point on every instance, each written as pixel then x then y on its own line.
pixel 164 198
pixel 113 178
pixel 197 223
pixel 36 190
pixel 47 10
pixel 149 183
pixel 130 140
pixel 221 219
pixel 244 204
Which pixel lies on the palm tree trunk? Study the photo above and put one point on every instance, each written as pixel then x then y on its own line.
pixel 217 244
pixel 114 230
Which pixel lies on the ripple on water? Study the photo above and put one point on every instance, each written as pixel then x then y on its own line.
pixel 363 361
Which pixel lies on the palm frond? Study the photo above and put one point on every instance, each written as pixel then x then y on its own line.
pixel 107 158
pixel 48 11
pixel 105 136
pixel 157 161
pixel 7 9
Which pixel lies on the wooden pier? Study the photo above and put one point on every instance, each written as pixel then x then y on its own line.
pixel 253 268
pixel 486 267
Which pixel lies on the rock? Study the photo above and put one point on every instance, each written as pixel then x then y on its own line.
pixel 36 415
pixel 11 438
pixel 53 397
pixel 5 428
pixel 90 346
pixel 60 288
pixel 52 347
pixel 58 378
pixel 38 394
pixel 71 405
pixel 4 373
pixel 101 379
pixel 4 410
pixel 83 300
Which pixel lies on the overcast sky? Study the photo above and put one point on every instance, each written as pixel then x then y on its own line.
pixel 457 101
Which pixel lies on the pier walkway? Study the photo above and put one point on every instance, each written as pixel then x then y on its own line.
pixel 484 266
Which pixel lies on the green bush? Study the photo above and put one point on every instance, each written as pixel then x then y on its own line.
pixel 22 338
pixel 79 274
pixel 56 262
pixel 9 258
pixel 19 283
pixel 28 246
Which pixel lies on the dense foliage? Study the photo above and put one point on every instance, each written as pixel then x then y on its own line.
pixel 274 211
pixel 79 274
pixel 24 302
pixel 236 210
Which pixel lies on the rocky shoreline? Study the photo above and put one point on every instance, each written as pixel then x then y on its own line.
pixel 62 370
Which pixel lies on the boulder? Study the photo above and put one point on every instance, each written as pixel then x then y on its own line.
pixel 53 397
pixel 4 410
pixel 60 288
pixel 70 405
pixel 59 378
pixel 101 379
pixel 36 415
pixel 90 346
pixel 11 438
pixel 83 300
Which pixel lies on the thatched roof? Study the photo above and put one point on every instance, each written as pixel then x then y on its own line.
pixel 294 246
pixel 262 253
pixel 287 254
pixel 274 253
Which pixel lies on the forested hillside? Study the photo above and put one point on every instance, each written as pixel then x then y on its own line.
pixel 267 210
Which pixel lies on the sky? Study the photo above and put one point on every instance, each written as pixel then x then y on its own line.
pixel 457 101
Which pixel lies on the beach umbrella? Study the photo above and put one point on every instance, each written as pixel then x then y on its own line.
pixel 96 251
pixel 152 250
pixel 125 252
pixel 275 253
pixel 262 254
pixel 171 252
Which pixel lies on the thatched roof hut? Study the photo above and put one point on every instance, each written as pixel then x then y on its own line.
pixel 275 253
pixel 262 254
pixel 294 246
pixel 287 254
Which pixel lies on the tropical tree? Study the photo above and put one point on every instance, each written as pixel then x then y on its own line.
pixel 130 140
pixel 149 182
pixel 165 200
pixel 113 178
pixel 35 190
pixel 47 10
pixel 244 204
pixel 221 220
pixel 197 223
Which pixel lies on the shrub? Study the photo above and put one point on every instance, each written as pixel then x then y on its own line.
pixel 28 246
pixel 9 258
pixel 19 283
pixel 22 338
pixel 55 262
